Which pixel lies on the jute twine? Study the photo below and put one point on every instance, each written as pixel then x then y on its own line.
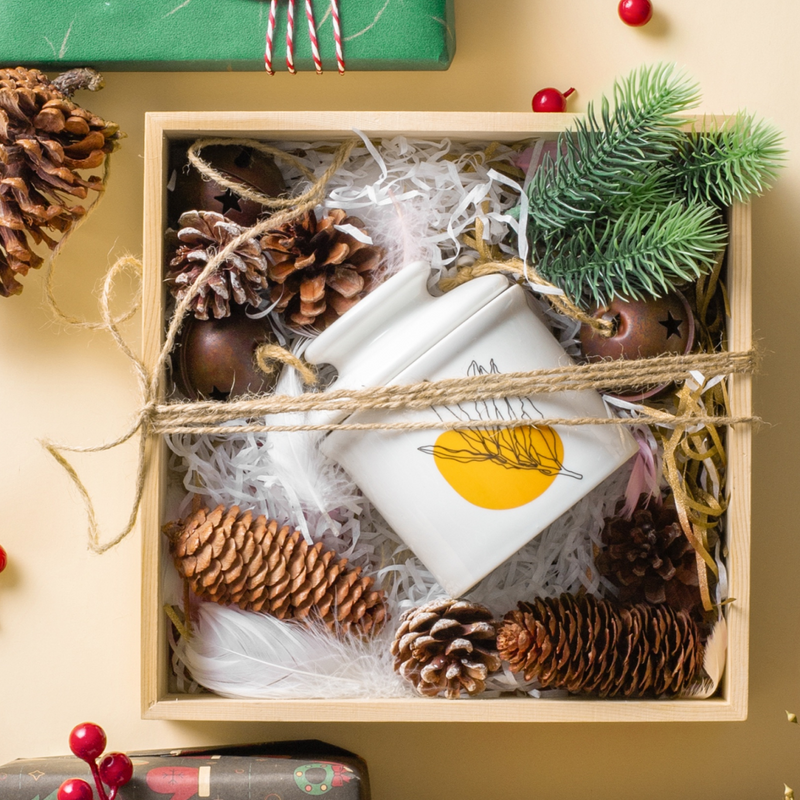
pixel 684 430
pixel 206 417
pixel 488 264
pixel 150 379
pixel 270 356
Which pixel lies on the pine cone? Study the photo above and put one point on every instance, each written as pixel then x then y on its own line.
pixel 317 271
pixel 588 645
pixel 45 139
pixel 239 278
pixel 232 559
pixel 446 647
pixel 650 559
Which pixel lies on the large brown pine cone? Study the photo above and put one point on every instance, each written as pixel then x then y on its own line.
pixel 650 559
pixel 589 645
pixel 230 558
pixel 446 647
pixel 318 272
pixel 45 139
pixel 239 278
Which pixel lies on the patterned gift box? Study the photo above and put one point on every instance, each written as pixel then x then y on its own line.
pixel 285 770
pixel 222 34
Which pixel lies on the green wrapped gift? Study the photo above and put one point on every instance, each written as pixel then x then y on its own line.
pixel 222 34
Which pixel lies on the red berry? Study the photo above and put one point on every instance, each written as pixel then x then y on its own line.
pixel 87 741
pixel 551 100
pixel 116 770
pixel 75 789
pixel 635 12
pixel 3 559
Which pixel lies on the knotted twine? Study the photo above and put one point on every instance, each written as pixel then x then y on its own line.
pixel 154 418
pixel 150 379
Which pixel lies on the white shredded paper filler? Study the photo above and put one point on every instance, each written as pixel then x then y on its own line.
pixel 416 198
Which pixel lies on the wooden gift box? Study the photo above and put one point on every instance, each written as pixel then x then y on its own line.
pixel 730 702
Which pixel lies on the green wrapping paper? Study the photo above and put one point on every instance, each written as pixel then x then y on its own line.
pixel 222 34
pixel 276 771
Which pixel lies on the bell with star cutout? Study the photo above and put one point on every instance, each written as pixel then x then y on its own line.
pixel 642 329
pixel 187 190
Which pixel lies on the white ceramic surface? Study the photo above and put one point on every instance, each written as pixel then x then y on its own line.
pixel 393 326
pixel 466 502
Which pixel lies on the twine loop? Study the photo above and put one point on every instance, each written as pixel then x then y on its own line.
pixel 145 421
pixel 268 356
pixel 489 263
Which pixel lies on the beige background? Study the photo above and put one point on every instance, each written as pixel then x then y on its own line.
pixel 69 620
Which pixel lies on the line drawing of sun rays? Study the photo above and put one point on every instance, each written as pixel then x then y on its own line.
pixel 526 447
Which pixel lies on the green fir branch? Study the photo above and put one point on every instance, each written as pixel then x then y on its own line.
pixel 656 190
pixel 735 161
pixel 642 253
pixel 604 159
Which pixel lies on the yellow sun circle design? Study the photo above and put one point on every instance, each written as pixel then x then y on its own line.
pixel 513 466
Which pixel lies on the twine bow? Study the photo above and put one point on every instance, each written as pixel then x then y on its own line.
pixel 150 380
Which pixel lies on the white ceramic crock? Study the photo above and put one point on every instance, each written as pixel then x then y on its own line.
pixel 466 501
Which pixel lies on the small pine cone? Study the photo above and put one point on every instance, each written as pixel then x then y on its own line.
pixel 650 559
pixel 318 272
pixel 239 278
pixel 232 559
pixel 45 140
pixel 587 645
pixel 446 647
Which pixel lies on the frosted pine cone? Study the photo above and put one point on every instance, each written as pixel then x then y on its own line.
pixel 239 278
pixel 446 647
pixel 45 140
pixel 230 558
pixel 317 271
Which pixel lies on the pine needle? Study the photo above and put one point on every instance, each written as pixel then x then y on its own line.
pixel 643 253
pixel 630 204
pixel 604 159
pixel 739 159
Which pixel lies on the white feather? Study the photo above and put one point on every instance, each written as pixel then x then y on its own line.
pixel 245 654
pixel 313 485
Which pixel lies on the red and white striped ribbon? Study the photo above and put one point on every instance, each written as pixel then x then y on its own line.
pixel 270 37
pixel 290 37
pixel 337 35
pixel 312 35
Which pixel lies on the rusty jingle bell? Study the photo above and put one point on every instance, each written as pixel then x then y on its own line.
pixel 215 358
pixel 643 329
pixel 188 189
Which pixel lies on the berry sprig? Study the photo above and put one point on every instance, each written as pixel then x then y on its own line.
pixel 635 12
pixel 551 100
pixel 3 559
pixel 87 741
